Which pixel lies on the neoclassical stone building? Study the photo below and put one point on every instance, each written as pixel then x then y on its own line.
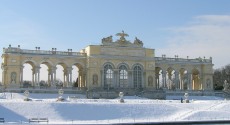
pixel 118 64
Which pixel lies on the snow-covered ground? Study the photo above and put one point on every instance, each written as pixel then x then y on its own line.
pixel 76 109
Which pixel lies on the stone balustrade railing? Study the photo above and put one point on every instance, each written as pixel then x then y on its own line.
pixel 197 60
pixel 42 52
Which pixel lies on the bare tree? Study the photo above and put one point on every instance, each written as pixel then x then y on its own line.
pixel 220 75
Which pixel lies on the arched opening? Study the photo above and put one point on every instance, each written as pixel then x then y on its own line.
pixel 59 82
pixel 27 72
pixel 123 76
pixel 44 75
pixel 183 74
pixel 27 79
pixel 44 70
pixel 75 76
pixel 196 85
pixel 158 75
pixel 108 76
pixel 137 76
pixel 78 76
pixel 171 80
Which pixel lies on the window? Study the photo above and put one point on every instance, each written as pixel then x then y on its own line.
pixel 137 77
pixel 108 76
pixel 123 76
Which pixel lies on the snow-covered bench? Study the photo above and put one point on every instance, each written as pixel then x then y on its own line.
pixel 38 120
pixel 2 120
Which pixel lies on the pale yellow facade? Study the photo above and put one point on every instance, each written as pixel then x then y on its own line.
pixel 118 64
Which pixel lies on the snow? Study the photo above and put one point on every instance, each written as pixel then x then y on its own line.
pixel 76 109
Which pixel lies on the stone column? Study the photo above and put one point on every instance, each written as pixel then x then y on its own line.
pixel 71 80
pixel 51 83
pixel 189 81
pixel 80 78
pixel 67 79
pixel 102 78
pixel 83 79
pixel 69 75
pixel 181 80
pixel 201 83
pixel 50 76
pixel 157 80
pixel 143 82
pixel 51 73
pixel 64 81
pixel 177 79
pixel 164 78
pixel 36 79
pixel 4 71
pixel 21 75
pixel 170 79
pixel 33 75
pixel 55 76
pixel 130 79
pixel 37 75
pixel 115 82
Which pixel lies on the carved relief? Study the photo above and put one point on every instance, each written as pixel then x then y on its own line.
pixel 95 79
pixel 13 77
pixel 208 83
pixel 150 81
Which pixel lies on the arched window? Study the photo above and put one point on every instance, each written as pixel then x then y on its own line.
pixel 137 77
pixel 108 76
pixel 123 76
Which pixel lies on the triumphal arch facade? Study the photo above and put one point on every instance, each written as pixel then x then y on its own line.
pixel 115 64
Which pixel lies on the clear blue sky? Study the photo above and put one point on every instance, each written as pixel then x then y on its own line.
pixel 172 27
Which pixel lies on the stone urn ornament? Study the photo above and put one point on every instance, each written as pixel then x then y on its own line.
pixel 60 93
pixel 26 93
pixel 186 100
pixel 121 95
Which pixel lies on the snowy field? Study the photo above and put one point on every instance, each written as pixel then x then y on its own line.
pixel 76 109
